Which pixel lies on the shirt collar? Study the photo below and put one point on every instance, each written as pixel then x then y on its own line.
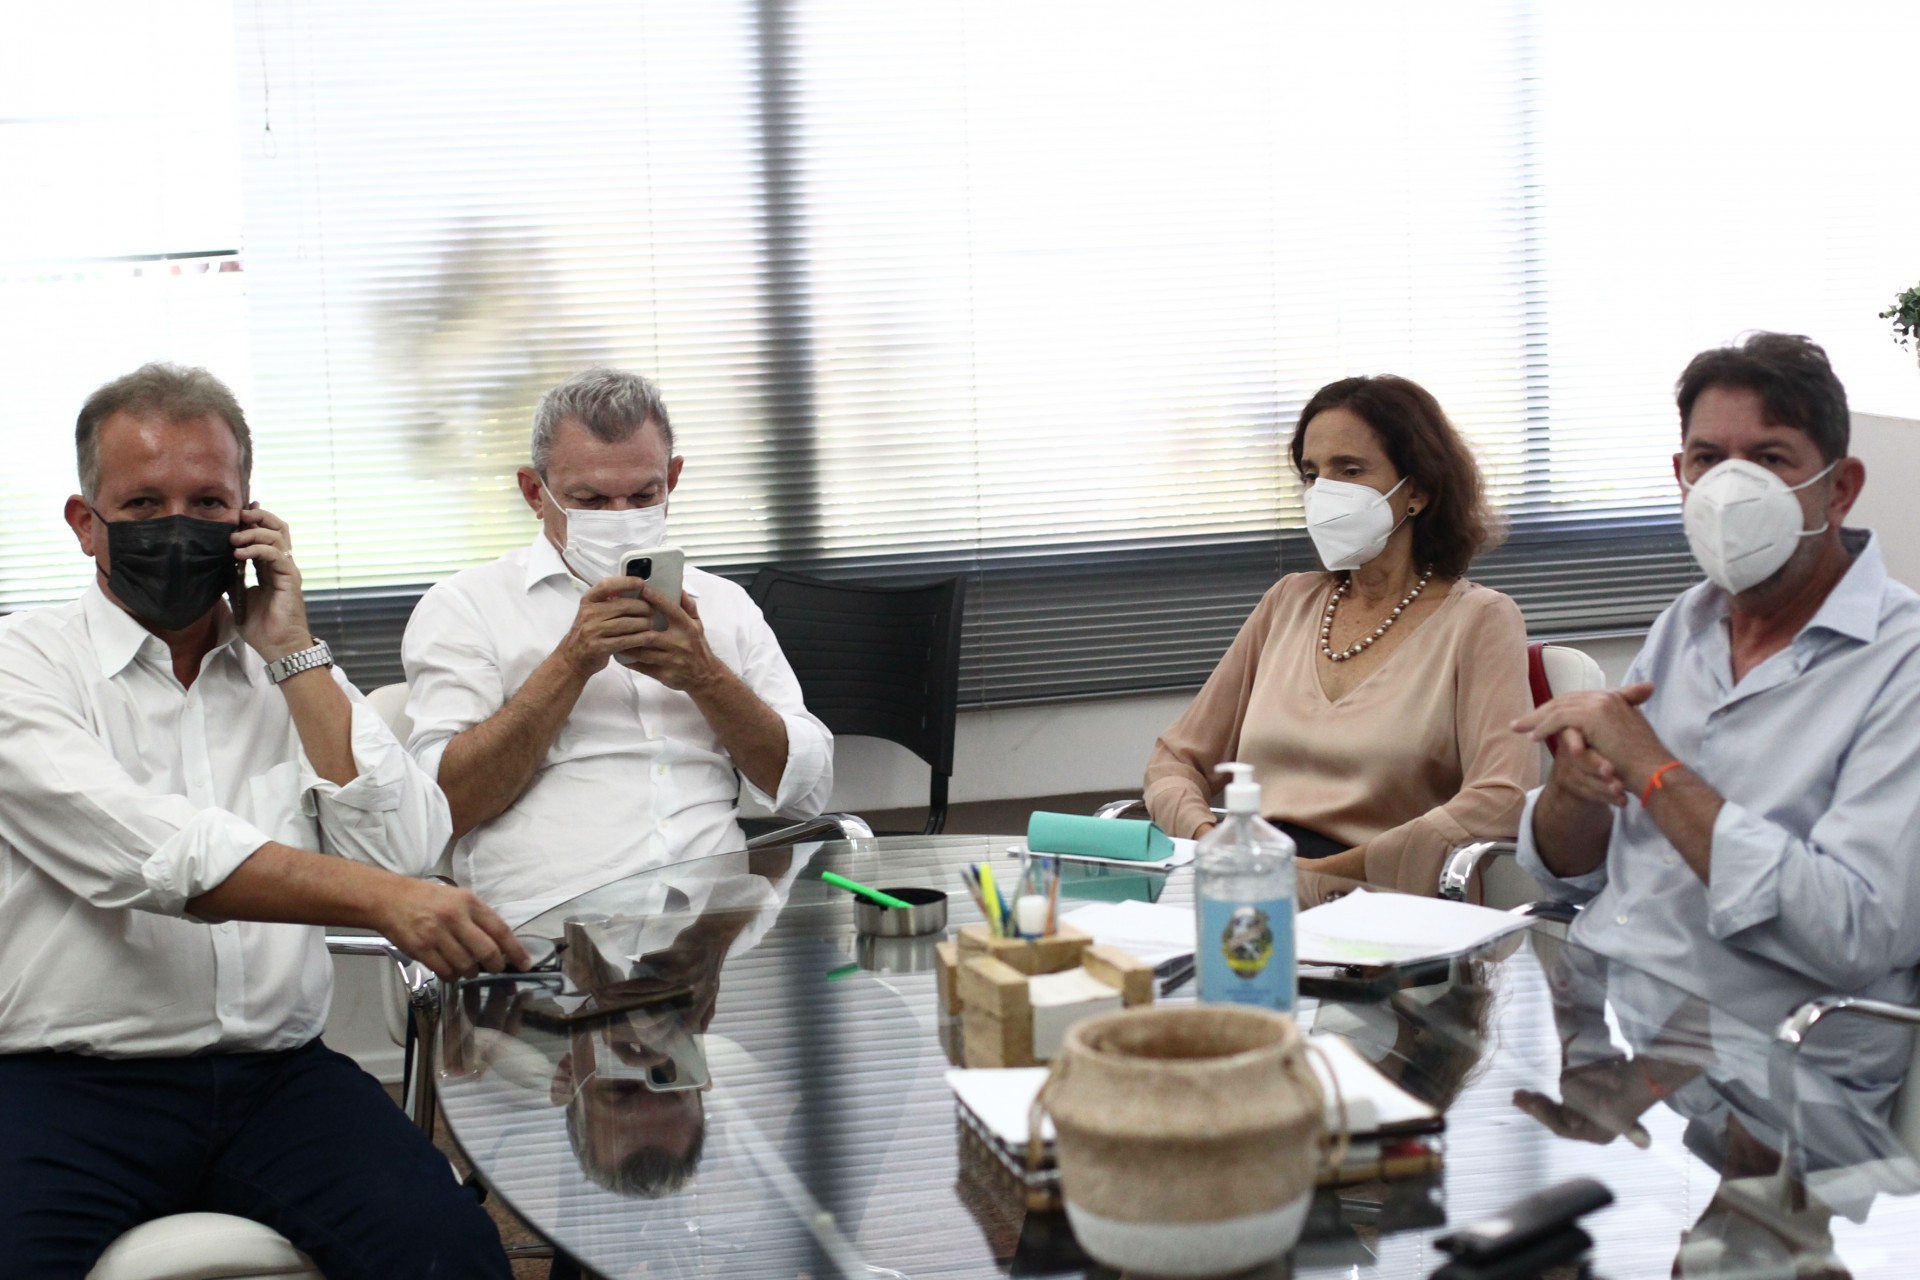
pixel 1851 609
pixel 544 562
pixel 118 637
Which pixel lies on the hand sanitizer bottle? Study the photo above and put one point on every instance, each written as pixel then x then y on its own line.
pixel 1243 888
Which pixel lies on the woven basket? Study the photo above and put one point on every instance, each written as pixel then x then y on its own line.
pixel 1189 1137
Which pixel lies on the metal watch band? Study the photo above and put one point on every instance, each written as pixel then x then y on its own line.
pixel 283 669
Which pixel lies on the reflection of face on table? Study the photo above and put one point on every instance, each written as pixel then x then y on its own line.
pixel 633 1137
pixel 631 1079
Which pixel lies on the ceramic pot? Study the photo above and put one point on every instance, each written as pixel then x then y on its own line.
pixel 1188 1137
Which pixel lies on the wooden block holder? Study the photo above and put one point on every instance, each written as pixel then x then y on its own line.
pixel 983 982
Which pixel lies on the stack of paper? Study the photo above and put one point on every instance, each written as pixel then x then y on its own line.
pixel 1395 928
pixel 1146 931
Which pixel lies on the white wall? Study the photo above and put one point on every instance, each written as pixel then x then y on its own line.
pixel 1891 449
pixel 357 1026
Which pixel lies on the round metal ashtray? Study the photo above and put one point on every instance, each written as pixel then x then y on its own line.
pixel 927 914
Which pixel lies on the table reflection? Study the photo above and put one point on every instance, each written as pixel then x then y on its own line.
pixel 719 1079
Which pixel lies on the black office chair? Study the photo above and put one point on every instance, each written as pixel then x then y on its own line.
pixel 875 661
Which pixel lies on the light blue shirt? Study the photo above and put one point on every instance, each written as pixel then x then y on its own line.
pixel 1816 853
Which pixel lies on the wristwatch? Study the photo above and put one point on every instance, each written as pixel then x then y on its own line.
pixel 283 669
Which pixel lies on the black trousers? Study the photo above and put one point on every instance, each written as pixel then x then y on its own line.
pixel 1309 843
pixel 302 1140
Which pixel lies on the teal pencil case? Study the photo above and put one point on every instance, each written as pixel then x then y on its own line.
pixel 1077 835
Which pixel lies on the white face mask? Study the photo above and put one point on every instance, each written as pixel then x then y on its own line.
pixel 1349 523
pixel 1743 522
pixel 595 539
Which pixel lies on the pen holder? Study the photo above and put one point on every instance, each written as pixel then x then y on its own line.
pixel 1010 1020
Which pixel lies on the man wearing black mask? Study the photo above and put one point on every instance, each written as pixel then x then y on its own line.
pixel 189 790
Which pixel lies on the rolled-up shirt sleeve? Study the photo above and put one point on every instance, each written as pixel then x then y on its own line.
pixel 74 811
pixel 807 781
pixel 1567 888
pixel 1843 901
pixel 392 814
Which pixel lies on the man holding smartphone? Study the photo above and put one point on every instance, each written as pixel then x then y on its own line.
pixel 565 768
pixel 185 799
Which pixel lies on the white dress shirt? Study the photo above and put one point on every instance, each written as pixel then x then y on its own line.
pixel 636 778
pixel 126 795
pixel 1816 853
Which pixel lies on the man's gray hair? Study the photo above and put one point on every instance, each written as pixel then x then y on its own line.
pixel 170 391
pixel 645 1174
pixel 610 403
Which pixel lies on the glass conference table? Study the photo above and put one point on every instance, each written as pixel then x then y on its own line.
pixel 792 1118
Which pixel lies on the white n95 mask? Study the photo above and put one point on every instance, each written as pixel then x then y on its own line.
pixel 1349 523
pixel 595 539
pixel 1743 522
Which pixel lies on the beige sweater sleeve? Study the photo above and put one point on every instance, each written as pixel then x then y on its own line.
pixel 1180 781
pixel 1498 766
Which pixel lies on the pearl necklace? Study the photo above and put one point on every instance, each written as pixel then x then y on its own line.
pixel 1364 642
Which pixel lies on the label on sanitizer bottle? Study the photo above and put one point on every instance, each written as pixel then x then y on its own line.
pixel 1245 952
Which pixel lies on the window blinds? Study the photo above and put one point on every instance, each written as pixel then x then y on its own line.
pixel 1032 293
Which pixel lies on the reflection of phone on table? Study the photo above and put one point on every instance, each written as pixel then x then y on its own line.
pixel 660 568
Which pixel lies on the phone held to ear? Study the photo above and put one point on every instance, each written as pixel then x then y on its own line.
pixel 237 589
pixel 237 593
pixel 661 568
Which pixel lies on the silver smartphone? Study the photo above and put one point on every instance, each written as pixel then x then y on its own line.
pixel 662 568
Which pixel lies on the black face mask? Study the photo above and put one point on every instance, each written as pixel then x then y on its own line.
pixel 171 570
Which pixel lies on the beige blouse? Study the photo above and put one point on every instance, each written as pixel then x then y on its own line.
pixel 1414 760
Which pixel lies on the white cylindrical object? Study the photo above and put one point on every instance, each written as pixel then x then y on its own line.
pixel 1030 915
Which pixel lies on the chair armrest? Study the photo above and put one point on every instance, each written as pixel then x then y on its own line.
pixel 1125 809
pixel 413 1017
pixel 828 826
pixel 1793 1030
pixel 1457 873
pixel 416 980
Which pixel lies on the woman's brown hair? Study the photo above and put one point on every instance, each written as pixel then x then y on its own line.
pixel 1423 446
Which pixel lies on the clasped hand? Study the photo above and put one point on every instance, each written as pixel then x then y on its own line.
pixel 1607 749
pixel 612 621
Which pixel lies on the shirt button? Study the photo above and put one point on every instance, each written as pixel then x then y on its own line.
pixel 1621 918
pixel 659 771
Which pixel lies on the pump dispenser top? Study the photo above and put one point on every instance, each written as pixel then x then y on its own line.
pixel 1243 793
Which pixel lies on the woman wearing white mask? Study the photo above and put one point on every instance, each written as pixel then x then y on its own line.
pixel 1372 699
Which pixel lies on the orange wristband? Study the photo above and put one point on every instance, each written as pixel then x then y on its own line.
pixel 1654 783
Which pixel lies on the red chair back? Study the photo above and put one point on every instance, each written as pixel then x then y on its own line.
pixel 1537 679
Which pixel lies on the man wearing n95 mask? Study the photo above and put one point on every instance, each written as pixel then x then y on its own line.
pixel 565 768
pixel 1744 812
